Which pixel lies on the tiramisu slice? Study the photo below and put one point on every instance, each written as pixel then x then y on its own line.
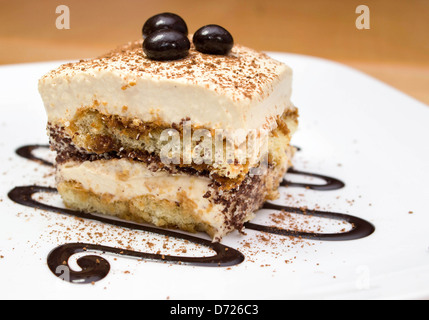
pixel 197 143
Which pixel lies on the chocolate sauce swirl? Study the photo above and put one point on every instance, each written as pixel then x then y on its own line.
pixel 27 153
pixel 330 183
pixel 95 267
pixel 360 228
pixel 225 256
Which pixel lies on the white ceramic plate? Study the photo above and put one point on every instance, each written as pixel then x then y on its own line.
pixel 353 127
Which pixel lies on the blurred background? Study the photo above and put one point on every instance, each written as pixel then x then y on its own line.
pixel 395 49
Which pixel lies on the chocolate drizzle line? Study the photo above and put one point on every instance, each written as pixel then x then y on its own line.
pixel 95 268
pixel 225 256
pixel 27 153
pixel 360 228
pixel 330 183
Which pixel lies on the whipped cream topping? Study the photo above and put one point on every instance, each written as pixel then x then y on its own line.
pixel 244 90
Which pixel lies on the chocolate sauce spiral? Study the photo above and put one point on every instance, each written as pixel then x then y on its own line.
pixel 360 228
pixel 225 256
pixel 330 183
pixel 27 153
pixel 95 267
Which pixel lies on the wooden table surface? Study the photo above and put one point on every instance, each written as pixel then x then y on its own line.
pixel 395 49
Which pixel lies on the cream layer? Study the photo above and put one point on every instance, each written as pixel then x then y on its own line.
pixel 123 179
pixel 246 90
